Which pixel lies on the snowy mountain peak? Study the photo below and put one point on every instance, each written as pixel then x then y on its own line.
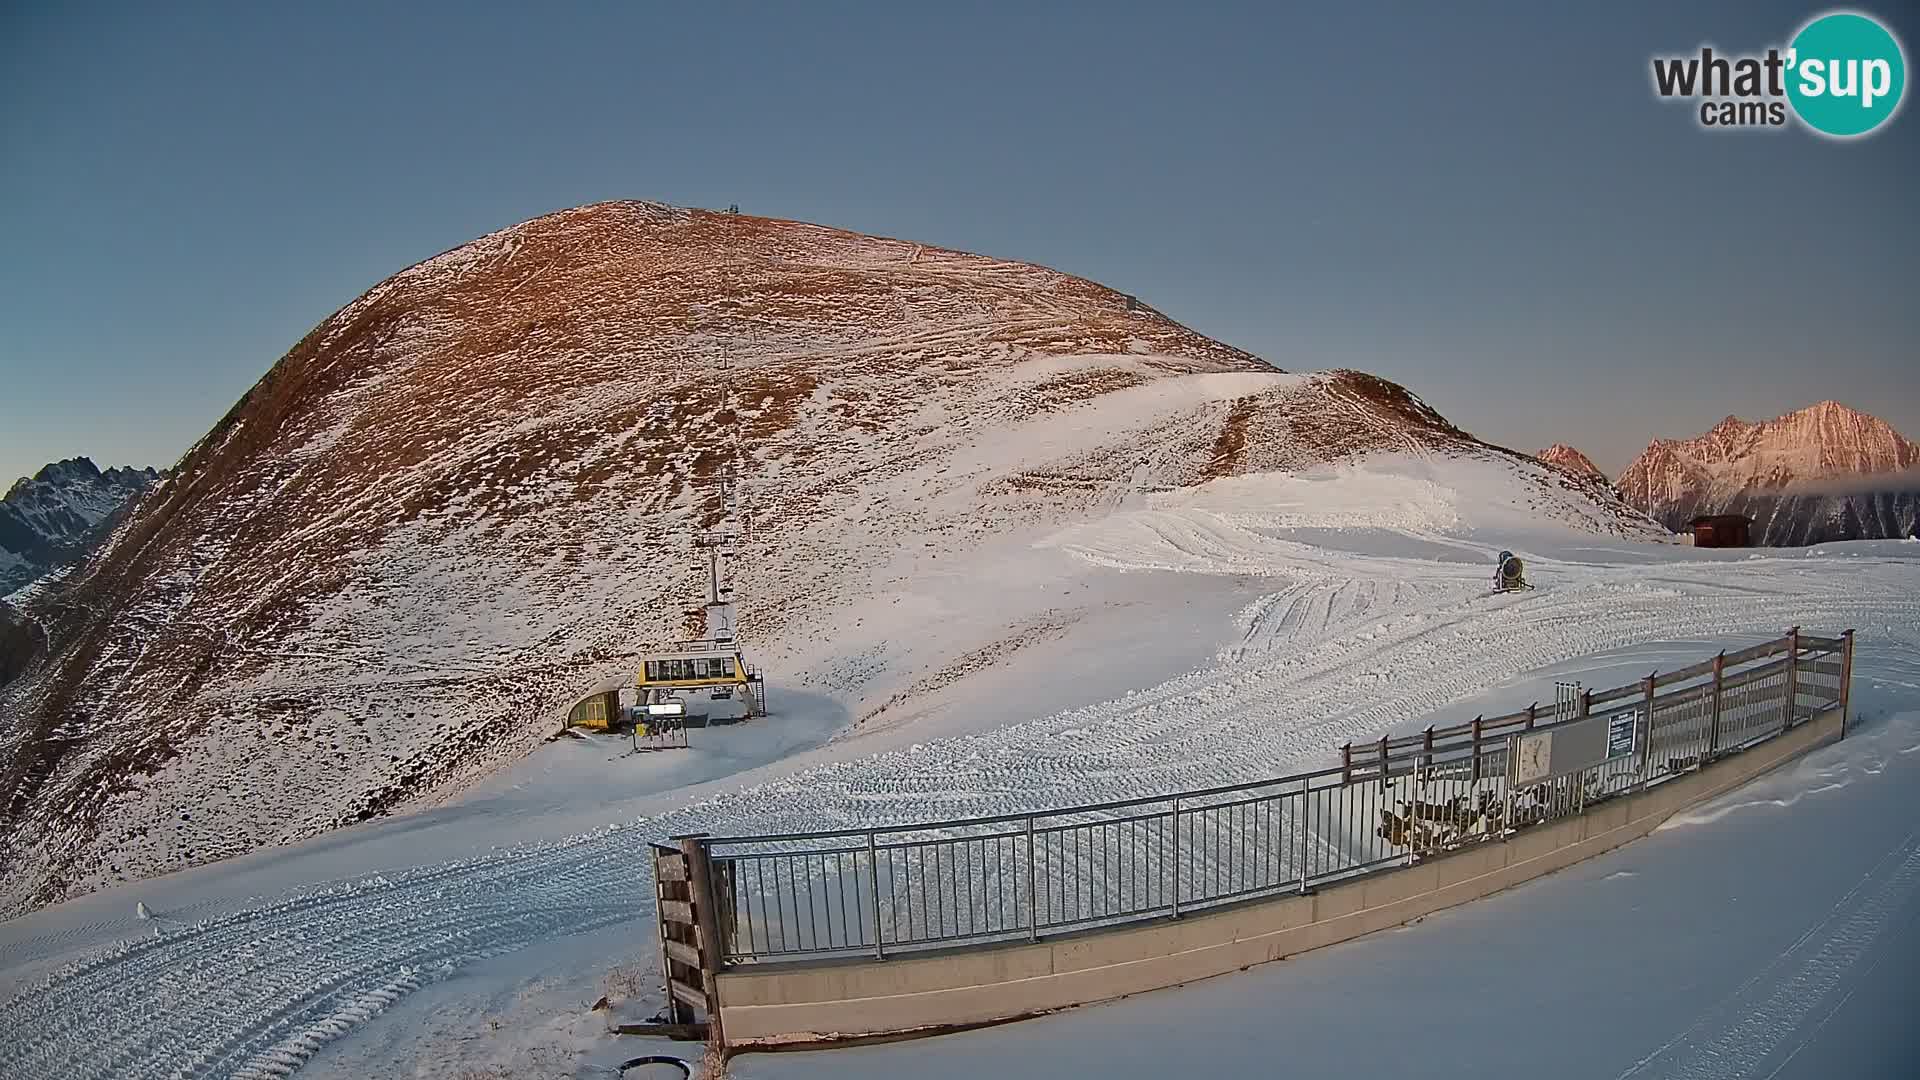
pixel 67 472
pixel 1571 459
pixel 1818 458
pixel 82 471
pixel 56 515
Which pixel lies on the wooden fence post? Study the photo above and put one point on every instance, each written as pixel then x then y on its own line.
pixel 678 1011
pixel 1346 765
pixel 700 882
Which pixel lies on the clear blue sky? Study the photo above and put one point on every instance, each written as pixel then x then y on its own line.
pixel 1488 205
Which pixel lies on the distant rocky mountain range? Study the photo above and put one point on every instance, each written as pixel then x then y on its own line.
pixel 1826 472
pixel 58 515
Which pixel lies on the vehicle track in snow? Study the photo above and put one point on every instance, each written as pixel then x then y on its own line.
pixel 1329 657
pixel 1741 1032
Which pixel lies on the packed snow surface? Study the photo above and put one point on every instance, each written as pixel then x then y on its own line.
pixel 1260 621
pixel 1771 932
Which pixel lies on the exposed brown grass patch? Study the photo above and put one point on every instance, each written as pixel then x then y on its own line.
pixel 1077 386
pixel 1230 446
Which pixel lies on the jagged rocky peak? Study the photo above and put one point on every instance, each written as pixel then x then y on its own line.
pixel 82 471
pixel 1824 472
pixel 56 516
pixel 1571 459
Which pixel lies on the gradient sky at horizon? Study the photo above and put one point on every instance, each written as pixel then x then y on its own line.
pixel 1487 205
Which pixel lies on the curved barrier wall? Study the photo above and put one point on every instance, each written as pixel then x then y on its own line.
pixel 938 991
pixel 826 936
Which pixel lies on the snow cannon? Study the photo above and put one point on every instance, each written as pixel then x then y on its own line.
pixel 1511 573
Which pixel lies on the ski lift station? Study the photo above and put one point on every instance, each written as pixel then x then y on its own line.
pixel 710 670
pixel 710 676
pixel 713 669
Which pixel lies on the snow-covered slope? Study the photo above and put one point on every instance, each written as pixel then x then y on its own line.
pixel 1826 472
pixel 57 515
pixel 471 496
pixel 1569 458
pixel 389 948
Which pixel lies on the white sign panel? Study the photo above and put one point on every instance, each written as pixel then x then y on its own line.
pixel 1621 730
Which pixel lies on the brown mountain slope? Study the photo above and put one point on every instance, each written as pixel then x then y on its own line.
pixel 471 496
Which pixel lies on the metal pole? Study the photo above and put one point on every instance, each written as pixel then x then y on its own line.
pixel 1476 754
pixel 873 882
pixel 1846 679
pixel 1033 912
pixel 1646 744
pixel 1421 767
pixel 1513 750
pixel 1306 789
pixel 1713 729
pixel 1793 676
pixel 1176 858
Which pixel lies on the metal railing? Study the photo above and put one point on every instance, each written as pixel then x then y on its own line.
pixel 1388 803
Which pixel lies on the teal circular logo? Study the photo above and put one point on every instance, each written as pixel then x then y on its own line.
pixel 1845 74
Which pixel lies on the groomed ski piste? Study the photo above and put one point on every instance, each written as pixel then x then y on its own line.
pixel 1290 613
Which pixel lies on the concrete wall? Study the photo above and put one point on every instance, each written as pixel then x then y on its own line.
pixel 931 991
